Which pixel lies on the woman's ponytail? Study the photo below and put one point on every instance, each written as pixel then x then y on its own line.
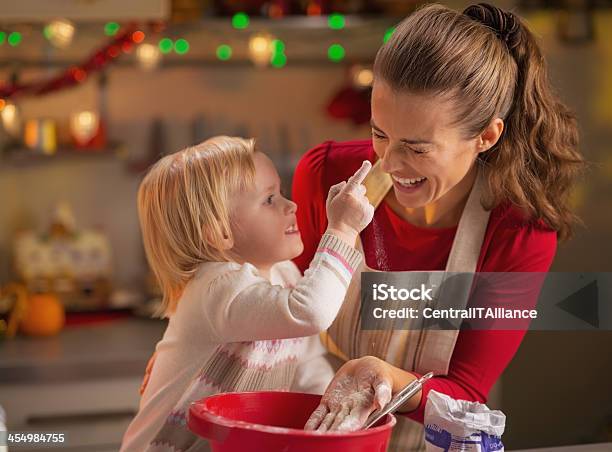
pixel 537 159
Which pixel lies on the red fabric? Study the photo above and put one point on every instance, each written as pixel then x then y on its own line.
pixel 511 244
pixel 351 103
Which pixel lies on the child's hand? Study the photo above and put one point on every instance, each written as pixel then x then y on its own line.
pixel 348 210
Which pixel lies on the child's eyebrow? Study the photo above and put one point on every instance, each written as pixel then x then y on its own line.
pixel 271 187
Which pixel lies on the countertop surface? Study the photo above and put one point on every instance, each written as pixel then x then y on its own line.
pixel 118 348
pixel 599 447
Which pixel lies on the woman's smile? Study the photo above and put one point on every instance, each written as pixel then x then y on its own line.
pixel 408 185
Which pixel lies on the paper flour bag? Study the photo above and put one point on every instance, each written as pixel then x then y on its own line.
pixel 459 425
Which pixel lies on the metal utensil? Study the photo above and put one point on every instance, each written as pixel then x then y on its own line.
pixel 398 399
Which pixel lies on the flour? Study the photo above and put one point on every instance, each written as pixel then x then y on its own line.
pixel 382 260
pixel 461 425
pixel 348 402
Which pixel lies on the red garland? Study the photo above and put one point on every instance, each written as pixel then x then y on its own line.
pixel 77 74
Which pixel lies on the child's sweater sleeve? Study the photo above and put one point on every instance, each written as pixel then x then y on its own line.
pixel 240 305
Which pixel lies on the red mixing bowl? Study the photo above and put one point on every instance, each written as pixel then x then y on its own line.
pixel 269 421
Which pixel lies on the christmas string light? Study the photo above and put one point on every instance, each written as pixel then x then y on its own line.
pixel 278 59
pixel 59 32
pixel 76 74
pixel 336 21
pixel 260 49
pixel 14 39
pixel 388 34
pixel 264 50
pixel 224 52
pixel 148 56
pixel 111 28
pixel 181 46
pixel 240 21
pixel 336 52
pixel 165 45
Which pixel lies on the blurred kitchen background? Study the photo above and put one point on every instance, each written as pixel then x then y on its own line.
pixel 92 93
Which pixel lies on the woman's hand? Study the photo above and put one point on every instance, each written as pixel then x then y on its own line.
pixel 360 387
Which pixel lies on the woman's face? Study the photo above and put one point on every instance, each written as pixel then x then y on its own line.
pixel 424 154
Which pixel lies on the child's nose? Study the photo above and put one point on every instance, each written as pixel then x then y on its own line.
pixel 291 207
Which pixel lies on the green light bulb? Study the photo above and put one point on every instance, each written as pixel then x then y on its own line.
pixel 279 60
pixel 240 21
pixel 181 46
pixel 111 28
pixel 388 34
pixel 165 45
pixel 224 52
pixel 335 52
pixel 14 38
pixel 336 21
pixel 278 46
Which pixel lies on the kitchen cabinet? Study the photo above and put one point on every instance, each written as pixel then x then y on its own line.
pixel 83 382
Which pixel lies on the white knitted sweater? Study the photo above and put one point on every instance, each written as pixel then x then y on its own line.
pixel 233 330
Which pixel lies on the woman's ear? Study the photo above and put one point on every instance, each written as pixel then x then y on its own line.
pixel 490 136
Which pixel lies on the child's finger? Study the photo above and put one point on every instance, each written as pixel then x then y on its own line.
pixel 360 174
pixel 335 189
pixel 361 190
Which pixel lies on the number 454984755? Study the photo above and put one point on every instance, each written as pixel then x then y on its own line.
pixel 12 438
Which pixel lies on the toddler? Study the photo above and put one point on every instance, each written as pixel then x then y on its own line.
pixel 219 237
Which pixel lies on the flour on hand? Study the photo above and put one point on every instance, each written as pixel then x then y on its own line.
pixel 348 402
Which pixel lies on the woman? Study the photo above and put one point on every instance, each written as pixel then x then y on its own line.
pixel 474 158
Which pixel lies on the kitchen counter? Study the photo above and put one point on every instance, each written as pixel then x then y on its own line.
pixel 83 382
pixel 599 447
pixel 118 348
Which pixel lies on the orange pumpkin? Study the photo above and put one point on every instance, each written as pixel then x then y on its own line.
pixel 44 315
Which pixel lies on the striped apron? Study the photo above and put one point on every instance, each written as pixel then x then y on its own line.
pixel 414 349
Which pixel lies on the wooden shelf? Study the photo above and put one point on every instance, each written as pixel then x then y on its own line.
pixel 307 40
pixel 20 157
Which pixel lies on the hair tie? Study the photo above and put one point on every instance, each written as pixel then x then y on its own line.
pixel 505 24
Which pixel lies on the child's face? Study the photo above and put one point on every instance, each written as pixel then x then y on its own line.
pixel 264 224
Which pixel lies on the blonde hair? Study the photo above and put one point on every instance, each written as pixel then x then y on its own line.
pixel 183 208
pixel 489 63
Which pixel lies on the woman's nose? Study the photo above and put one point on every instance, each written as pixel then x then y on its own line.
pixel 390 160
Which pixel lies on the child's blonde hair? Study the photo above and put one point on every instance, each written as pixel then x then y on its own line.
pixel 183 209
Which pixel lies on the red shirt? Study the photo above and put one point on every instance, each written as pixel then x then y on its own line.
pixel 511 244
